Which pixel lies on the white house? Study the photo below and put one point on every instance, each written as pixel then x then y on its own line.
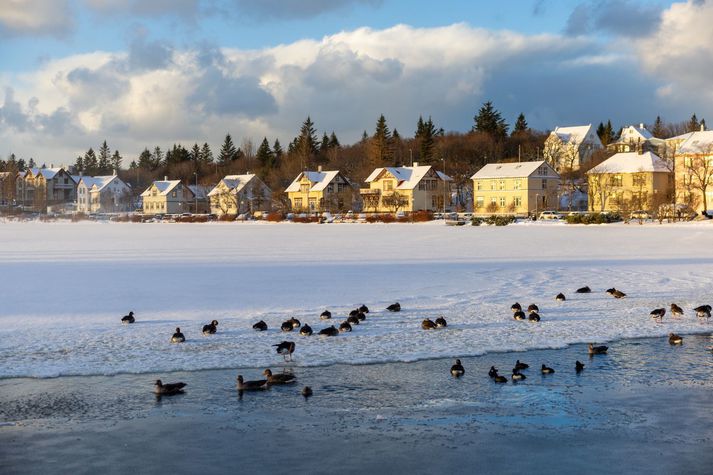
pixel 571 148
pixel 237 194
pixel 634 138
pixel 103 194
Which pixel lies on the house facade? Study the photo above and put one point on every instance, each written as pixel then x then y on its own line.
pixel 568 149
pixel 634 138
pixel 693 167
pixel 103 194
pixel 519 189
pixel 318 191
pixel 43 189
pixel 415 188
pixel 630 181
pixel 238 194
pixel 167 197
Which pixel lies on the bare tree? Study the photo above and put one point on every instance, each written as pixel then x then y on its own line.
pixel 699 170
pixel 395 201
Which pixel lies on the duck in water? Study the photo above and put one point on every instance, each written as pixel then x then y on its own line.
pixel 178 336
pixel 126 319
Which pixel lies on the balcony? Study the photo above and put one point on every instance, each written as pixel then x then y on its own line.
pixel 369 191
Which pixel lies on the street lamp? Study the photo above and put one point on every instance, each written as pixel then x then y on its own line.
pixel 537 204
pixel 195 195
pixel 443 159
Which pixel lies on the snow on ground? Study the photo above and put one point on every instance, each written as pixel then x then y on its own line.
pixel 65 286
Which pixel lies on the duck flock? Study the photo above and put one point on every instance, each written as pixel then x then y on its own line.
pixel 358 316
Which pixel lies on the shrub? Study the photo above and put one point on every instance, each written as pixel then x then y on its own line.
pixel 306 219
pixel 227 217
pixel 79 217
pixel 593 218
pixel 496 220
pixel 476 221
pixel 421 216
pixel 275 217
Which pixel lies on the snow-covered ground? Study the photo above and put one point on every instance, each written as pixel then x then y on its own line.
pixel 65 286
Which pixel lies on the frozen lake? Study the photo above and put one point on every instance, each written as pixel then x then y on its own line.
pixel 65 286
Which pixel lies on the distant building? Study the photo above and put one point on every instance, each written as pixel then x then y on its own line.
pixel 167 197
pixel 103 194
pixel 571 148
pixel 693 167
pixel 415 188
pixel 201 201
pixel 634 138
pixel 45 189
pixel 316 191
pixel 238 194
pixel 629 181
pixel 521 188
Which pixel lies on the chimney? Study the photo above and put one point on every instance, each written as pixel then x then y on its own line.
pixel 114 172
pixel 641 125
pixel 703 127
pixel 319 168
pixel 415 164
pixel 165 178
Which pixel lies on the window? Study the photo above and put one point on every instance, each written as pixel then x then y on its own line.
pixel 330 188
pixel 518 184
pixel 479 202
pixel 478 185
pixel 687 162
pixel 340 187
pixel 298 203
pixel 312 203
pixel 544 184
pixel 501 185
pixel 388 185
pixel 493 200
pixel 616 180
pixel 639 179
pixel 492 185
pixel 517 201
pixel 502 201
pixel 174 193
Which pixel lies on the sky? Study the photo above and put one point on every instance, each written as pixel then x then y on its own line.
pixel 141 73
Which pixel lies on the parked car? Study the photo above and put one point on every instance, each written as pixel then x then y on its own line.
pixel 400 214
pixel 550 215
pixel 640 214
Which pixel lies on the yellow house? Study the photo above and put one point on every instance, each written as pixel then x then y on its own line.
pixel 237 194
pixel 416 188
pixel 629 181
pixel 520 188
pixel 167 197
pixel 694 170
pixel 316 191
pixel 568 149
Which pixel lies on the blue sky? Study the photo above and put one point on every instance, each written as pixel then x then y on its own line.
pixel 140 73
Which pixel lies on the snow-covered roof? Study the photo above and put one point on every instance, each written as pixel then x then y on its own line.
pixel 48 173
pixel 199 191
pixel 99 181
pixel 635 133
pixel 574 134
pixel 235 183
pixel 163 187
pixel 631 162
pixel 512 170
pixel 318 179
pixel 698 142
pixel 408 177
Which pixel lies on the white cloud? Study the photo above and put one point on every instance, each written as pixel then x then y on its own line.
pixel 35 17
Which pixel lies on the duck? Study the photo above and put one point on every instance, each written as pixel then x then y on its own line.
pixel 354 313
pixel 363 309
pixel 178 336
pixel 578 366
pixel 295 323
pixel 326 315
pixel 286 348
pixel 394 307
pixel 441 322
pixel 306 330
pixel 329 331
pixel 617 294
pixel 675 339
pixel 251 385
pixel 260 326
pixel 546 370
pixel 428 324
pixel 307 392
pixel 560 297
pixel 676 311
pixel 516 307
pixel 597 350
pixel 353 320
pixel 534 317
pixel 126 319
pixel 519 315
pixel 210 329
pixel 345 327
pixel 168 389
pixel 517 376
pixel 703 311
pixel 287 326
pixel 532 308
pixel 493 372
pixel 583 290
pixel 611 291
pixel 500 379
pixel 520 366
pixel 361 316
pixel 457 369
pixel 278 378
pixel 658 313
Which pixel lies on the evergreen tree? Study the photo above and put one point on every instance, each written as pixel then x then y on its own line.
pixel 425 133
pixel 381 150
pixel 104 154
pixel 306 145
pixel 334 141
pixel 31 163
pixel 79 165
pixel 264 155
pixel 156 158
pixel 324 146
pixel 116 161
pixel 21 165
pixel 195 154
pixel 145 160
pixel 490 121
pixel 520 125
pixel 133 165
pixel 228 152
pixel 206 153
pixel 658 129
pixel 606 133
pixel 176 155
pixel 703 124
pixel 395 135
pixel 277 150
pixel 91 165
pixel 364 137
pixel 693 124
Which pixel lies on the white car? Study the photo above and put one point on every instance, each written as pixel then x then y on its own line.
pixel 550 215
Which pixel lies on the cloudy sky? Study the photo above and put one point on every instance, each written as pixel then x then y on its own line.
pixel 140 73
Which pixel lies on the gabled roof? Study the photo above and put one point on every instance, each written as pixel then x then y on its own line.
pixel 319 180
pixel 199 191
pixel 698 142
pixel 234 183
pixel 633 133
pixel 99 181
pixel 631 162
pixel 574 134
pixel 408 177
pixel 512 170
pixel 48 173
pixel 163 186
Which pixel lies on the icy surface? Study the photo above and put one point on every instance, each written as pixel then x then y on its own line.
pixel 65 287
